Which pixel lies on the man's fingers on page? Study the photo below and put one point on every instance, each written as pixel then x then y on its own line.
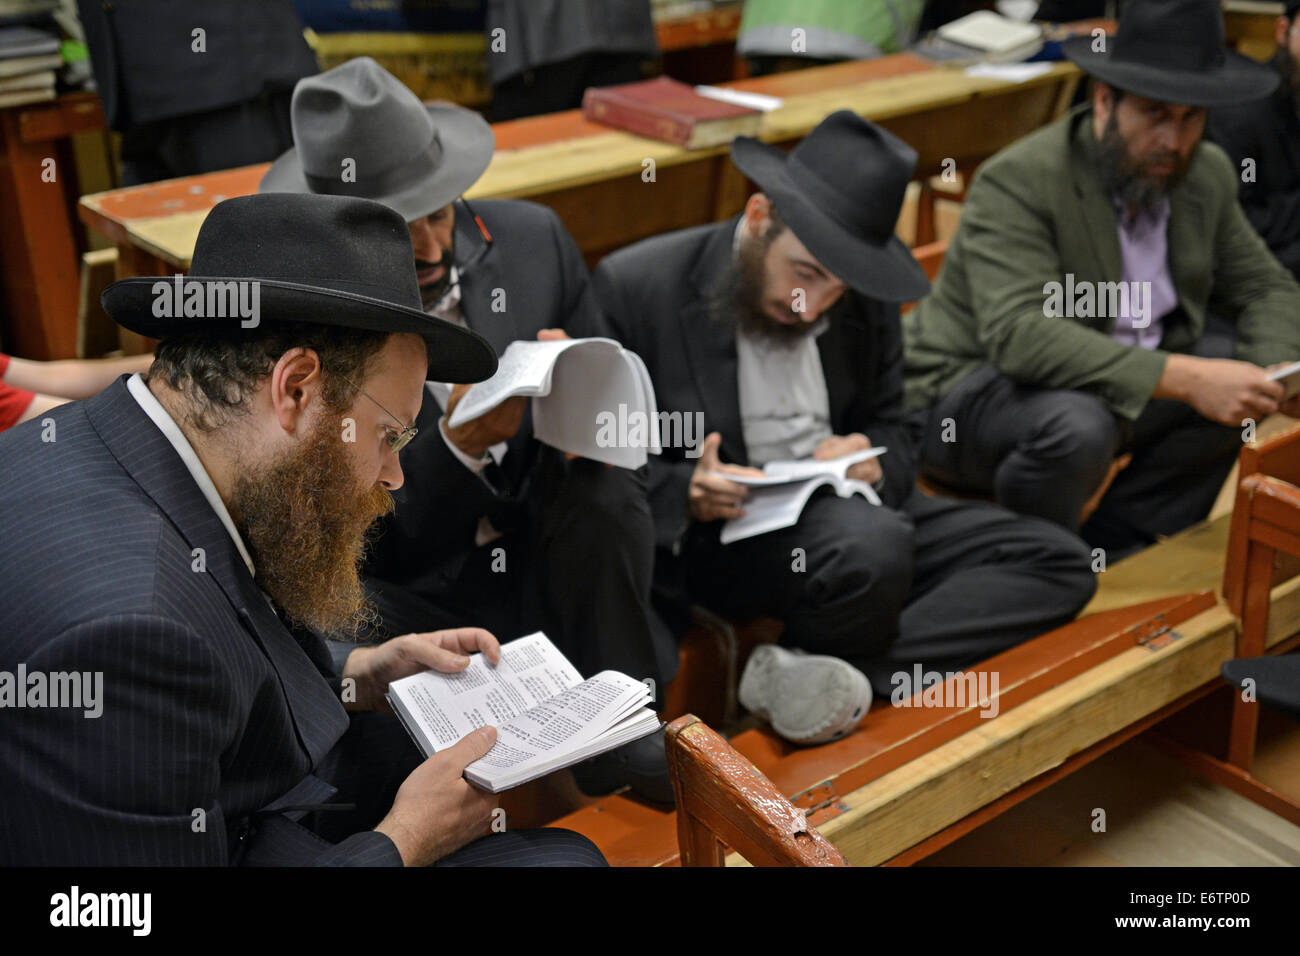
pixel 474 745
pixel 467 640
pixel 552 335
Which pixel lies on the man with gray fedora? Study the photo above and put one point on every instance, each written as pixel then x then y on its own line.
pixel 492 528
pixel 193 531
pixel 780 327
pixel 1106 301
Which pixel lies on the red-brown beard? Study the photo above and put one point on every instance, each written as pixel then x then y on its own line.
pixel 304 520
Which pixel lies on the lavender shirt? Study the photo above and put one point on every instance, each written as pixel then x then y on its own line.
pixel 1144 246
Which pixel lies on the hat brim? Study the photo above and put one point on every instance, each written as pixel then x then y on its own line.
pixel 455 354
pixel 1239 80
pixel 468 144
pixel 888 272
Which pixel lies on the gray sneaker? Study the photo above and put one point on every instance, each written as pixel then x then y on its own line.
pixel 807 698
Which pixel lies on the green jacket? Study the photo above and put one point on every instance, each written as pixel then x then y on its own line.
pixel 1037 211
pixel 833 29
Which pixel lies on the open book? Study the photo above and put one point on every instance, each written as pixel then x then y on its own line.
pixel 1289 376
pixel 591 397
pixel 777 500
pixel 547 717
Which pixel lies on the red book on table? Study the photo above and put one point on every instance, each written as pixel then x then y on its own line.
pixel 668 110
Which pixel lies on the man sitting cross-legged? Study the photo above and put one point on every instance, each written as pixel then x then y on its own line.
pixel 781 328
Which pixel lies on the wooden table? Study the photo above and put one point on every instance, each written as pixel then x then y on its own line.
pixel 41 268
pixel 591 175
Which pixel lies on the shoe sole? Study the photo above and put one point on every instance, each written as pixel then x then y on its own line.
pixel 807 699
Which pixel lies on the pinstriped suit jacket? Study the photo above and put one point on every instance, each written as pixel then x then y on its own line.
pixel 209 703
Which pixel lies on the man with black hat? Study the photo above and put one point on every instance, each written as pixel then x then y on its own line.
pixel 1262 137
pixel 780 327
pixel 1105 299
pixel 492 528
pixel 191 533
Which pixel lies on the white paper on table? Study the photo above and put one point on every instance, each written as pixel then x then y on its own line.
pixel 754 101
pixel 1009 72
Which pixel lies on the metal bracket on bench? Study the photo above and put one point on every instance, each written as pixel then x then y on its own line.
pixel 1159 639
pixel 819 803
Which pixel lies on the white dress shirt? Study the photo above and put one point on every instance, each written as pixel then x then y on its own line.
pixel 172 432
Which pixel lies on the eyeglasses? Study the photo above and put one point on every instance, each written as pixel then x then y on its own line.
pixel 397 440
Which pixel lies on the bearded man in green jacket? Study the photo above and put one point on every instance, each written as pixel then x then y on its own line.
pixel 1105 300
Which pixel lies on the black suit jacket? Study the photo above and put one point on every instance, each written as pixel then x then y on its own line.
pixel 209 703
pixel 1267 131
pixel 534 263
pixel 146 69
pixel 656 297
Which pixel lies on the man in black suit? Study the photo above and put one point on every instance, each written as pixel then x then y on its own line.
pixel 1262 137
pixel 493 528
pixel 781 329
pixel 185 537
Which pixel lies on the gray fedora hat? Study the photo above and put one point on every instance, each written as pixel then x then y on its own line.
pixel 358 131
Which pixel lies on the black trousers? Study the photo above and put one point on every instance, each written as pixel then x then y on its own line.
pixel 939 582
pixel 578 566
pixel 1044 452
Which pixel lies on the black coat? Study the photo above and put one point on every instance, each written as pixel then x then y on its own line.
pixel 209 703
pixel 147 70
pixel 1267 131
pixel 656 297
pixel 535 263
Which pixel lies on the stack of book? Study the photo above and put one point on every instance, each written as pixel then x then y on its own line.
pixel 29 55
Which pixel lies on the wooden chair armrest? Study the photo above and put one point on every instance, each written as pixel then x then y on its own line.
pixel 1283 492
pixel 722 797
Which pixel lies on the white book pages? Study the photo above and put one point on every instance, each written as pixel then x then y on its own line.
pixel 439 709
pixel 547 735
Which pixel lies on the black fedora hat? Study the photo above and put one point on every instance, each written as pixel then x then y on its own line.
pixel 840 190
pixel 1172 51
pixel 325 260
pixel 358 131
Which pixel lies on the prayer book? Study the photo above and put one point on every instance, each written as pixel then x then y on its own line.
pixel 1289 376
pixel 591 398
pixel 777 500
pixel 983 36
pixel 669 110
pixel 546 716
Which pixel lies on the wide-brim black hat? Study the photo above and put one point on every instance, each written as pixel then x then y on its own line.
pixel 358 131
pixel 840 191
pixel 1172 51
pixel 322 260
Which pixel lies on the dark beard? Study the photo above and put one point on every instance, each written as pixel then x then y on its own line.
pixel 1127 179
pixel 739 299
pixel 432 293
pixel 305 526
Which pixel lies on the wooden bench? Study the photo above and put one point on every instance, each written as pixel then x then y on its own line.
pixel 1150 645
